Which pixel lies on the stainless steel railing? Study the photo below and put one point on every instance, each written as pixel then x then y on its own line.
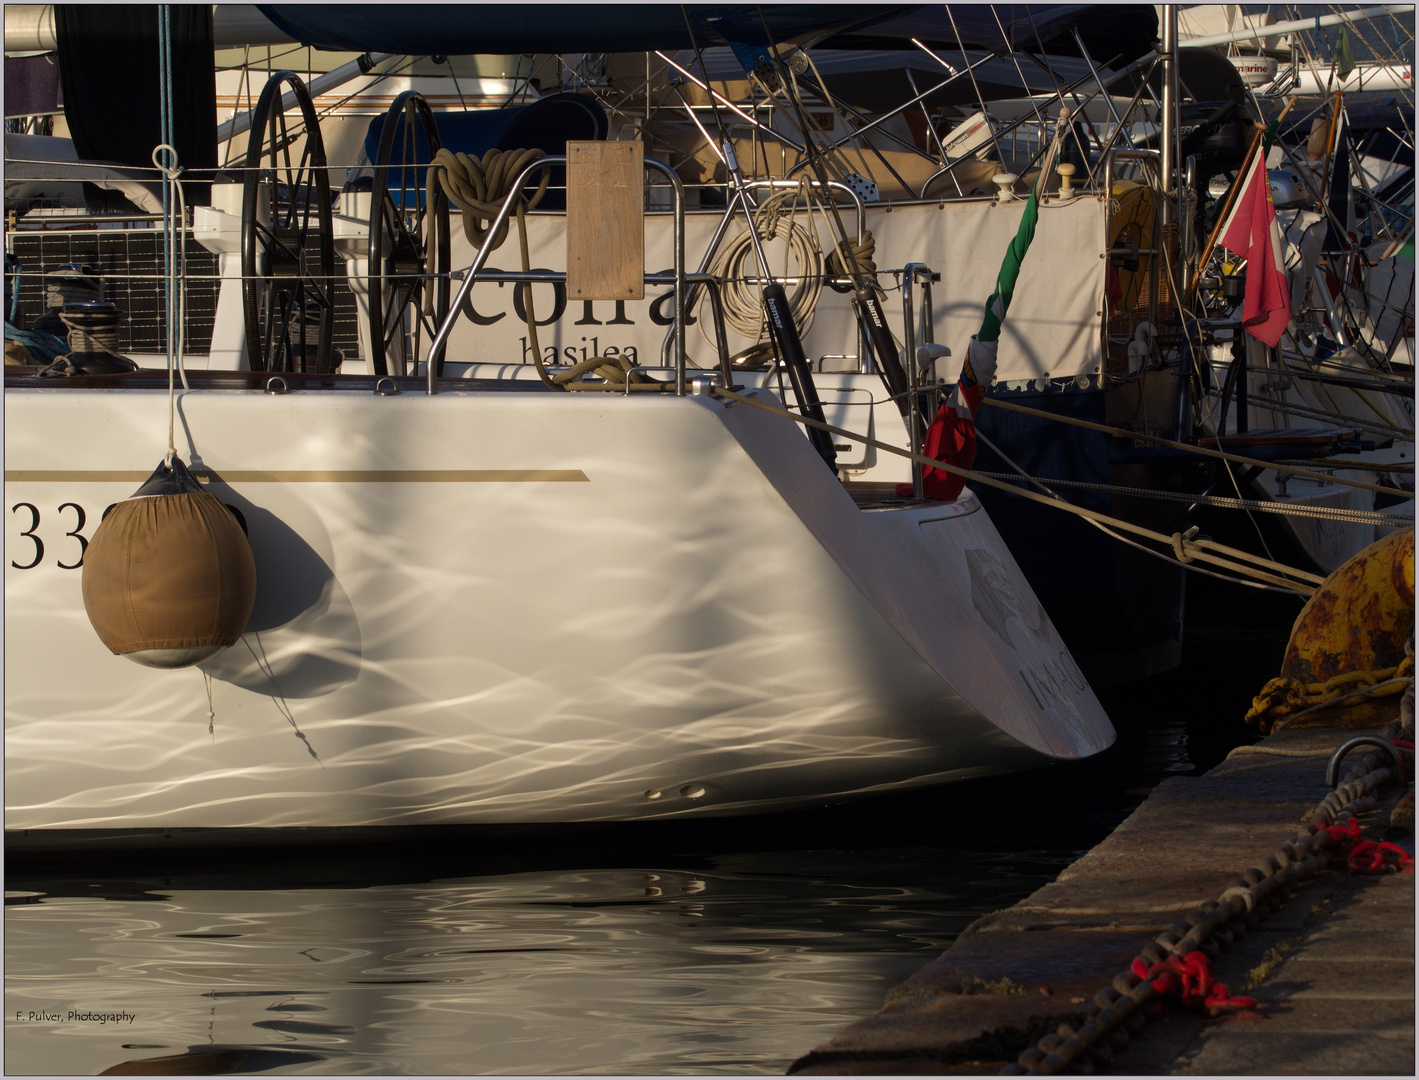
pixel 486 249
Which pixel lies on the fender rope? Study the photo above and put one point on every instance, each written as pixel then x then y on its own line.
pixel 1174 963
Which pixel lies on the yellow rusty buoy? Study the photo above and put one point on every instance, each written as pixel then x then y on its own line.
pixel 169 578
pixel 1346 662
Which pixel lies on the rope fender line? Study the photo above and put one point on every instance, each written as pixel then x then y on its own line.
pixel 1177 962
pixel 1195 548
pixel 1204 451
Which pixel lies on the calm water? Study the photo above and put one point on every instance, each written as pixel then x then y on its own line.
pixel 688 947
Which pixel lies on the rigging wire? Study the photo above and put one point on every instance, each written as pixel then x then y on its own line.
pixel 1188 547
pixel 1121 539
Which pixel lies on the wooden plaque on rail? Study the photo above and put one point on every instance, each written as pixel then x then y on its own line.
pixel 606 220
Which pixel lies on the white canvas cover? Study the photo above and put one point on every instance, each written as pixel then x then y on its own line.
pixel 1052 331
pixel 1053 326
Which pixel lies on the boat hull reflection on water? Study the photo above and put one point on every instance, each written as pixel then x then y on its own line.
pixel 500 604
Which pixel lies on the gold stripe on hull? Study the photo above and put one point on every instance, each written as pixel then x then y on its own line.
pixel 310 476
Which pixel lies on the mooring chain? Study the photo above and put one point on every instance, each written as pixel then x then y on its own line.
pixel 1116 1011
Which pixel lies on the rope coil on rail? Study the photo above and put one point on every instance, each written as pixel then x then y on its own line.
pixel 478 187
pixel 737 266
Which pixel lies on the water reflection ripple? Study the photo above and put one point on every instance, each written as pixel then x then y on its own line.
pixel 591 971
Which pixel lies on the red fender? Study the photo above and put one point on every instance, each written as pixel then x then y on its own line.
pixel 952 439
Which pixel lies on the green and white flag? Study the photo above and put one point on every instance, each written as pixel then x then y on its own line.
pixel 978 372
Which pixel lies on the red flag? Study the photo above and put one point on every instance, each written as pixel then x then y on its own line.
pixel 952 439
pixel 1251 231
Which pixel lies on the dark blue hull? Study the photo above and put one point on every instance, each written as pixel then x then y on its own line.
pixel 1119 610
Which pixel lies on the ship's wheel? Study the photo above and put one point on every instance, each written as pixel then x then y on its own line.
pixel 287 241
pixel 408 241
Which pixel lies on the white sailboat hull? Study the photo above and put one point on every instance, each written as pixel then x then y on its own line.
pixel 513 606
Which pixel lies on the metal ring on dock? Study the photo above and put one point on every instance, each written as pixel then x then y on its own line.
pixel 385 386
pixel 277 385
pixel 1332 770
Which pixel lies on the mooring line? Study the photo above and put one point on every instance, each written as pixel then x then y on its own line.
pixel 1187 548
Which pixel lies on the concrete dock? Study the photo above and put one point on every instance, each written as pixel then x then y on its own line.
pixel 1331 968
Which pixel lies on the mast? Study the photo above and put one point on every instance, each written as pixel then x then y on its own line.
pixel 1170 111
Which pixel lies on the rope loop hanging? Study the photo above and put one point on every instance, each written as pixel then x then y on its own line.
pixel 479 187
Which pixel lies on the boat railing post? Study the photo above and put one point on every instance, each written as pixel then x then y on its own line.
pixel 678 241
pixel 1169 134
pixel 479 261
pixel 911 273
pixel 864 346
pixel 1151 162
pixel 1186 221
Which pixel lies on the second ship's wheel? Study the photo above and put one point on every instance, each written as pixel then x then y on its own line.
pixel 287 241
pixel 408 241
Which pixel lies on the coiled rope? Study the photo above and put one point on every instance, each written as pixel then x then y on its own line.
pixel 87 337
pixel 861 251
pixel 479 188
pixel 736 265
pixel 69 287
